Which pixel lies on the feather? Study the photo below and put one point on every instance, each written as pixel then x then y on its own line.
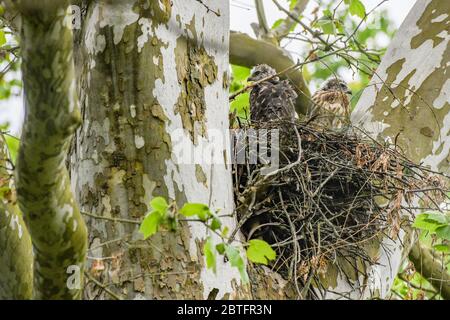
pixel 272 99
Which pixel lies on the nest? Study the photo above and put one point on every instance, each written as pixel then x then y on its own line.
pixel 332 193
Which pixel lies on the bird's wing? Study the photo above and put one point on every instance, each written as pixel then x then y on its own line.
pixel 273 100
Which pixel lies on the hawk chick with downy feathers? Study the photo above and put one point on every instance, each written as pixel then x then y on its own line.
pixel 331 105
pixel 272 99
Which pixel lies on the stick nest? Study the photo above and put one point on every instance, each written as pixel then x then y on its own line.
pixel 332 193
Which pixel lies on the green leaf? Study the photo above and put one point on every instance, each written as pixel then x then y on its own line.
pixel 424 225
pixel 241 105
pixel 437 217
pixel 159 204
pixel 220 248
pixel 225 231
pixel 443 232
pixel 150 224
pixel 292 4
pixel 356 8
pixel 260 251
pixel 442 248
pixel 236 260
pixel 326 25
pixel 210 255
pixel 339 26
pixel 277 23
pixel 429 222
pixel 240 74
pixel 198 209
pixel 2 38
pixel 215 224
pixel 13 146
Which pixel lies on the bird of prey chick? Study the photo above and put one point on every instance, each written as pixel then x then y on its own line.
pixel 331 104
pixel 271 99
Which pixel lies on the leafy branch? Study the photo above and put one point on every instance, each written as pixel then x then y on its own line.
pixel 167 216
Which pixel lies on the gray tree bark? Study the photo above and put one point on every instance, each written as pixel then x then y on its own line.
pixel 153 78
pixel 52 217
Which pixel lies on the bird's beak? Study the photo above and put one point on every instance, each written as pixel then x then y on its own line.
pixel 250 79
pixel 349 92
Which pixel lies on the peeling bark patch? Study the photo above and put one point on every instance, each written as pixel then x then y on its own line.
pixel 427 132
pixel 160 10
pixel 196 70
pixel 226 80
pixel 158 112
pixel 146 32
pixel 444 96
pixel 200 175
pixel 438 21
pixel 118 16
pixel 139 142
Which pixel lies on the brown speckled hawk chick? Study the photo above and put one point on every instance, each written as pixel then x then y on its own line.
pixel 272 99
pixel 331 105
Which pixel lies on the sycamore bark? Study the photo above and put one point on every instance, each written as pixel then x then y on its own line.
pixel 56 227
pixel 16 257
pixel 153 78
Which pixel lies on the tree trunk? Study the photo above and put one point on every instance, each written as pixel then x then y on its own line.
pixel 153 79
pixel 52 217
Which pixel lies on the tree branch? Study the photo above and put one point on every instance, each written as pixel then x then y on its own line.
pixel 262 20
pixel 57 229
pixel 297 20
pixel 431 269
pixel 248 52
pixel 16 256
pixel 284 28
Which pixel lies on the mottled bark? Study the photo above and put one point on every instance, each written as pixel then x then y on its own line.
pixel 153 77
pixel 409 96
pixel 16 256
pixel 56 227
pixel 407 102
pixel 249 52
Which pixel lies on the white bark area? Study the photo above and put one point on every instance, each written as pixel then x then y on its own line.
pixel 214 187
pixel 209 151
pixel 414 69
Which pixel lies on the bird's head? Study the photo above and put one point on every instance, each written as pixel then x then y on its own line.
pixel 336 84
pixel 261 71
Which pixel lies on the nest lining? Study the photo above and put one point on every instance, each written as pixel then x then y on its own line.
pixel 333 193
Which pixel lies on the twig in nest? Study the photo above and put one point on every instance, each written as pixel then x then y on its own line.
pixel 333 193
